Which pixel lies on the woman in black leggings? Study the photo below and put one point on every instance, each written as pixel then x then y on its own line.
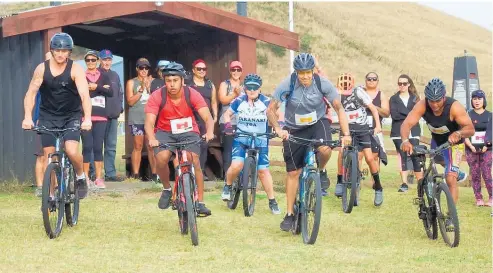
pixel 92 141
pixel 401 103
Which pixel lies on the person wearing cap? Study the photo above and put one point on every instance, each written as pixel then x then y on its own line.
pixel 158 81
pixel 206 88
pixel 228 91
pixel 137 93
pixel 114 108
pixel 92 141
pixel 478 148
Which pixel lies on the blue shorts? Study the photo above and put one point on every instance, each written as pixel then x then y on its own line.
pixel 239 154
pixel 447 160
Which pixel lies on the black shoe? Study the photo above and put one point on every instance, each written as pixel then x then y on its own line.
pixel 164 200
pixel 206 178
pixel 403 188
pixel 287 223
pixel 82 187
pixel 324 179
pixel 136 176
pixel 113 179
pixel 202 210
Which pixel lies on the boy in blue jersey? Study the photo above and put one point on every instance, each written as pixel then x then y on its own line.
pixel 250 110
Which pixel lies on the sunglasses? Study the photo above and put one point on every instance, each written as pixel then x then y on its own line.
pixel 372 79
pixel 91 60
pixel 402 83
pixel 252 87
pixel 201 69
pixel 235 70
pixel 144 68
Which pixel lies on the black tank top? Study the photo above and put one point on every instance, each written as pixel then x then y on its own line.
pixel 480 122
pixel 205 91
pixel 60 99
pixel 377 101
pixel 441 126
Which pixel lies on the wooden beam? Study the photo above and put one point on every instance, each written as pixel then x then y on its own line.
pixel 47 37
pixel 247 54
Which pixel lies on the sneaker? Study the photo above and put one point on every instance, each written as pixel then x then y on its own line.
pixel 338 191
pixel 206 178
pixel 274 207
pixel 356 201
pixel 202 210
pixel 325 192
pixel 324 179
pixel 99 183
pixel 490 202
pixel 403 188
pixel 38 192
pixel 82 187
pixel 479 202
pixel 378 198
pixel 226 195
pixel 287 223
pixel 114 178
pixel 461 177
pixel 164 200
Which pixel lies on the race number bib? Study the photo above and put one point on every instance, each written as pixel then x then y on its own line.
pixel 478 138
pixel 355 115
pixel 439 130
pixel 99 101
pixel 180 126
pixel 307 119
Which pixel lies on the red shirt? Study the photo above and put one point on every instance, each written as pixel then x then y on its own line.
pixel 175 113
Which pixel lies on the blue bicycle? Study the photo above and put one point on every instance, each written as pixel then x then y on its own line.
pixel 247 179
pixel 308 203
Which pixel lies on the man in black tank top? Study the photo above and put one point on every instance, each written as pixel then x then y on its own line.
pixel 447 120
pixel 64 94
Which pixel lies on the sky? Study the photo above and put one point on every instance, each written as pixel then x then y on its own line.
pixel 479 13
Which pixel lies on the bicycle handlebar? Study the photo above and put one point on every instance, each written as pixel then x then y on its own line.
pixel 332 143
pixel 57 133
pixel 179 144
pixel 243 133
pixel 422 150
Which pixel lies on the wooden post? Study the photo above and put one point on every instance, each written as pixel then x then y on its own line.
pixel 47 37
pixel 247 54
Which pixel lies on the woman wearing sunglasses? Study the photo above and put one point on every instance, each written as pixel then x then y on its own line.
pixel 137 93
pixel 229 90
pixel 401 103
pixel 478 147
pixel 92 141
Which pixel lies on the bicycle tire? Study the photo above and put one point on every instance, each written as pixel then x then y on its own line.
pixel 350 181
pixel 427 212
pixel 189 192
pixel 249 181
pixel 234 196
pixel 73 202
pixel 452 214
pixel 182 213
pixel 48 205
pixel 297 219
pixel 312 204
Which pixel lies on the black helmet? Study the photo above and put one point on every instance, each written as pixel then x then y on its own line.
pixel 61 40
pixel 435 90
pixel 173 69
pixel 304 61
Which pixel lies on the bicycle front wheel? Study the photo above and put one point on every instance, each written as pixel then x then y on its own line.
pixel 448 221
pixel 72 202
pixel 311 208
pixel 52 203
pixel 427 212
pixel 350 181
pixel 234 195
pixel 189 192
pixel 249 181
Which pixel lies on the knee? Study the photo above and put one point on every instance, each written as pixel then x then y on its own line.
pixel 325 151
pixel 294 174
pixel 264 173
pixel 138 146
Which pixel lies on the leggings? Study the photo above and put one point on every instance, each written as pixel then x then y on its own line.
pixel 227 144
pixel 403 157
pixel 479 163
pixel 92 141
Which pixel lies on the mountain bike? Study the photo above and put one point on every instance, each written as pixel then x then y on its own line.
pixel 246 181
pixel 60 196
pixel 308 202
pixel 435 203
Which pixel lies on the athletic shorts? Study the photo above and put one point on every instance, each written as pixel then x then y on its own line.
pixel 239 151
pixel 165 137
pixel 47 140
pixel 137 129
pixel 447 160
pixel 362 139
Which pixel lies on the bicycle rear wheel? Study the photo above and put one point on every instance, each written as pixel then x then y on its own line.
pixel 73 201
pixel 249 181
pixel 350 180
pixel 52 205
pixel 311 208
pixel 189 192
pixel 235 193
pixel 447 218
pixel 427 212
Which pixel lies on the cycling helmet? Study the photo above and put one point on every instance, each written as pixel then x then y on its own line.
pixel 173 69
pixel 304 61
pixel 61 40
pixel 162 64
pixel 435 90
pixel 345 82
pixel 252 82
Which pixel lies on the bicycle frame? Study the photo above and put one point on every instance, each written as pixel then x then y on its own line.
pixel 310 165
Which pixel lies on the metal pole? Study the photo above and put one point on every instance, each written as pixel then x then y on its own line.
pixel 241 8
pixel 291 28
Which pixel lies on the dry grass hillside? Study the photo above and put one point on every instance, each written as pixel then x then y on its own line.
pixel 389 38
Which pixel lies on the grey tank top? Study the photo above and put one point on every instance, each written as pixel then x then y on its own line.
pixel 225 107
pixel 136 113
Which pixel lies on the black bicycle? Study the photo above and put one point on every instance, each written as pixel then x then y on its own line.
pixel 185 196
pixel 246 181
pixel 308 203
pixel 60 196
pixel 434 200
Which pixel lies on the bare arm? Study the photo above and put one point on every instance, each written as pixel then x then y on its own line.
pixel 214 102
pixel 272 115
pixel 375 115
pixel 79 77
pixel 412 119
pixel 341 114
pixel 32 91
pixel 227 115
pixel 223 98
pixel 384 110
pixel 149 123
pixel 459 114
pixel 132 98
pixel 205 114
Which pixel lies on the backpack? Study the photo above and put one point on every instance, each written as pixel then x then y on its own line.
pixel 164 95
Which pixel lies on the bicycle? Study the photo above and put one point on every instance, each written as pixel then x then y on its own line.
pixel 308 202
pixel 185 196
pixel 246 181
pixel 59 190
pixel 429 200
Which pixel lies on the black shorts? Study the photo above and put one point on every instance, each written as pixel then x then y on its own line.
pixel 38 147
pixel 165 137
pixel 362 139
pixel 375 146
pixel 47 140
pixel 294 154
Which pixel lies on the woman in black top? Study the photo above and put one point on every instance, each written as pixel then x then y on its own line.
pixel 401 103
pixel 478 147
